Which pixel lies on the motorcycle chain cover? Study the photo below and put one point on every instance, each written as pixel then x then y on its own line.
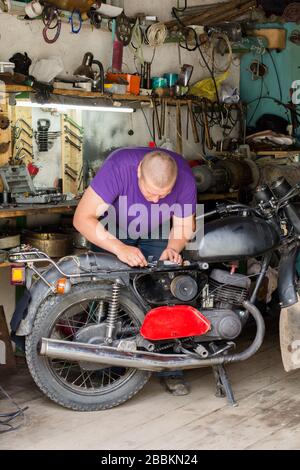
pixel 180 321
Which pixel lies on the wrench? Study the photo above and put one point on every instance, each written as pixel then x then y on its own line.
pixel 69 141
pixel 74 124
pixel 68 131
pixel 19 130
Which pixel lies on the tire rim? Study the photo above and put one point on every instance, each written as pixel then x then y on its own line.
pixel 69 373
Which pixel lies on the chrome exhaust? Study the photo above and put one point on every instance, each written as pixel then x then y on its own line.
pixel 105 355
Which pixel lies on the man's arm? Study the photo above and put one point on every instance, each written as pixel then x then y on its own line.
pixel 90 208
pixel 180 235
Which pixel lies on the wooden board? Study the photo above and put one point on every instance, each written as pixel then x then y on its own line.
pixel 7 358
pixel 5 135
pixel 94 94
pixel 71 158
pixel 18 115
pixel 12 212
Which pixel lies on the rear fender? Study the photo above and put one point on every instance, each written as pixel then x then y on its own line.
pixel 92 263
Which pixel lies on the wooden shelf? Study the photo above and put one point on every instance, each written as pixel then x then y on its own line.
pixel 25 210
pixel 278 153
pixel 95 94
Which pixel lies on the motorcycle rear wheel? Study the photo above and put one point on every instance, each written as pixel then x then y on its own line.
pixel 67 383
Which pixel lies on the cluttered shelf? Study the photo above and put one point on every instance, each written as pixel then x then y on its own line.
pixel 25 210
pixel 14 88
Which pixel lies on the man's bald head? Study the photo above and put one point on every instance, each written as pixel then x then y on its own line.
pixel 159 169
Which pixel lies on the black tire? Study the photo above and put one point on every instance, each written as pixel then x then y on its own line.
pixel 40 367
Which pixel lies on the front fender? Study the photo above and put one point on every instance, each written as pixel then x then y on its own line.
pixel 287 277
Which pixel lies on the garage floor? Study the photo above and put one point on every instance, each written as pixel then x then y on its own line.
pixel 268 415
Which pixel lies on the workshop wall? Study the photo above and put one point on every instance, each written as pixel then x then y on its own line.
pixel 285 63
pixel 71 48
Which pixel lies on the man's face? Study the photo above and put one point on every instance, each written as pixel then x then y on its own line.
pixel 150 192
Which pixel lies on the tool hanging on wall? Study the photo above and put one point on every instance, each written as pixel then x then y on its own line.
pixel 52 21
pixel 124 29
pixel 43 137
pixel 69 171
pixel 73 134
pixel 191 115
pixel 71 121
pixel 179 147
pixel 69 141
pixel 95 18
pixel 75 29
pixel 156 123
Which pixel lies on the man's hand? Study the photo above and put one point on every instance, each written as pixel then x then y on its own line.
pixel 171 255
pixel 131 256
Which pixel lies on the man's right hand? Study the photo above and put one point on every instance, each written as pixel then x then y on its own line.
pixel 131 256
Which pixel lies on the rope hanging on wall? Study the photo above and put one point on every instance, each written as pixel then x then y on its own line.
pixel 157 34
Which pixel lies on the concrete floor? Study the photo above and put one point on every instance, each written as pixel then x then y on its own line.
pixel 268 415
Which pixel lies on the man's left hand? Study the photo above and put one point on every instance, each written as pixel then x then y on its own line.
pixel 171 255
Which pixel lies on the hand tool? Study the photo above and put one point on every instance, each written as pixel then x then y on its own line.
pixel 156 118
pixel 69 141
pixel 73 123
pixel 178 128
pixel 193 122
pixel 162 116
pixel 73 134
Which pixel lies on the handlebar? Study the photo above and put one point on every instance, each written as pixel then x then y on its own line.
pixel 223 209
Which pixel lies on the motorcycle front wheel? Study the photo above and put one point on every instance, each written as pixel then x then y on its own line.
pixel 71 384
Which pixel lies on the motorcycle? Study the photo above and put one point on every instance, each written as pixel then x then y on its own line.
pixel 96 329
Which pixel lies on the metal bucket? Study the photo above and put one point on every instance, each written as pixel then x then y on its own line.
pixel 55 245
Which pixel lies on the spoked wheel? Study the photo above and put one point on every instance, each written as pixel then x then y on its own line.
pixel 80 316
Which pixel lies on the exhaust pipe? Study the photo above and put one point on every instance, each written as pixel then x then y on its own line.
pixel 104 355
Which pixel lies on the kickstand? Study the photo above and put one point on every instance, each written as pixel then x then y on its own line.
pixel 223 386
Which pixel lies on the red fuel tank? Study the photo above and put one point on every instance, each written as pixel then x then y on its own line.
pixel 180 321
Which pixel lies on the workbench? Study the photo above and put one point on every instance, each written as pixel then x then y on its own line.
pixel 12 211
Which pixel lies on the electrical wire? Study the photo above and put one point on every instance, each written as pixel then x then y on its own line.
pixel 258 102
pixel 277 74
pixel 7 418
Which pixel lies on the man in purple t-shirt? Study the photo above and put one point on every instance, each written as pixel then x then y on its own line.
pixel 141 193
pixel 145 191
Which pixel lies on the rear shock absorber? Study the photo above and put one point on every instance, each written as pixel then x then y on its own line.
pixel 113 312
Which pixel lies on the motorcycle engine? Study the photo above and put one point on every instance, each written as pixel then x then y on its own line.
pixel 228 289
pixel 171 288
pixel 219 296
pixel 222 301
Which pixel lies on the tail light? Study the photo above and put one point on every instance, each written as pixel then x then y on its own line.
pixel 62 286
pixel 18 275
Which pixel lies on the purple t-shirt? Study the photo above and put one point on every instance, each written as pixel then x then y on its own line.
pixel 117 184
